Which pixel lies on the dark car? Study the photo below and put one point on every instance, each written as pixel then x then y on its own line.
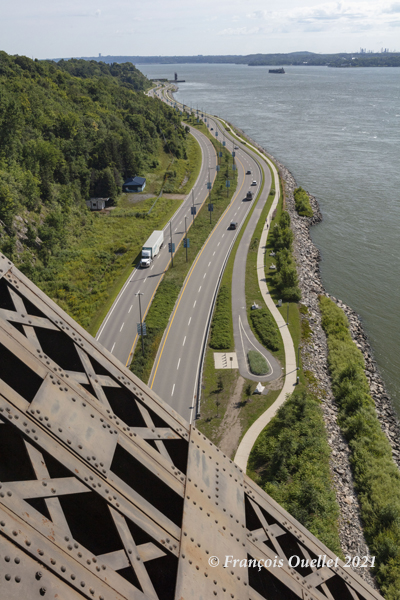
pixel 236 148
pixel 233 225
pixel 212 128
pixel 248 172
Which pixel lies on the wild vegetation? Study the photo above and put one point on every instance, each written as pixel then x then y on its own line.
pixel 285 279
pixel 302 203
pixel 266 328
pixel 290 461
pixel 221 336
pixel 377 478
pixel 257 363
pixel 68 131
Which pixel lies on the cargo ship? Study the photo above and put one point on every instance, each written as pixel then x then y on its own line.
pixel 281 70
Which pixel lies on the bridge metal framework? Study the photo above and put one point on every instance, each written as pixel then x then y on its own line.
pixel 106 493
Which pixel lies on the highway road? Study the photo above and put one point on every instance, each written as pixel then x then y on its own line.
pixel 175 374
pixel 118 332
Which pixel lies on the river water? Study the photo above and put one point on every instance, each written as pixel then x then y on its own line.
pixel 338 132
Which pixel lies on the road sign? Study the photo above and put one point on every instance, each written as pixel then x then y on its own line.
pixel 141 329
pixel 186 243
pixel 224 143
pixel 171 247
pixel 216 134
pixel 217 167
pixel 233 154
pixel 220 154
pixel 233 167
pixel 228 183
pixel 192 210
pixel 209 185
pixel 210 207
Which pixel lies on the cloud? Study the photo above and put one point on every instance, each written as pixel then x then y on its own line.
pixel 240 31
pixel 330 16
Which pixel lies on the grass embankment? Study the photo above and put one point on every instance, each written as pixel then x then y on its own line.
pixel 302 203
pixel 261 321
pixel 216 397
pixel 85 278
pixel 168 291
pixel 290 461
pixel 377 478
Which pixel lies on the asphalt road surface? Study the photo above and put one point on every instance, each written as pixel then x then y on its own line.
pixel 175 374
pixel 118 332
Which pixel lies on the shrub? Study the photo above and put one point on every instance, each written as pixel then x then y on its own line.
pixel 376 476
pixel 291 457
pixel 258 364
pixel 221 327
pixel 266 328
pixel 302 203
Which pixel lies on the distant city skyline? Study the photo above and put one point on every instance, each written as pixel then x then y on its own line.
pixel 51 29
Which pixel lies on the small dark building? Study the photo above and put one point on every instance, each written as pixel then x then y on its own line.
pixel 134 184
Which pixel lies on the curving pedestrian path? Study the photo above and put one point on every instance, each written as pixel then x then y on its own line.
pixel 250 437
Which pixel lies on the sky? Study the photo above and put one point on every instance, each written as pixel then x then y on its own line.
pixel 74 28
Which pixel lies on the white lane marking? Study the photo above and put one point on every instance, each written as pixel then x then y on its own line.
pixel 145 280
pixel 173 387
pixel 189 321
pixel 213 252
pixel 179 361
pixel 151 267
pixel 122 326
pixel 130 309
pixel 199 288
pixel 194 303
pixel 129 280
pixel 204 275
pixel 218 243
pixel 223 235
pixel 209 263
pixel 112 349
pixel 184 340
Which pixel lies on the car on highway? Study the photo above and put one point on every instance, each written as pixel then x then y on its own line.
pixel 233 225
pixel 254 182
pixel 248 172
pixel 212 128
pixel 236 148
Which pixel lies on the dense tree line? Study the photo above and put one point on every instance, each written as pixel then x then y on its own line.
pixel 68 131
pixel 341 59
pixel 286 280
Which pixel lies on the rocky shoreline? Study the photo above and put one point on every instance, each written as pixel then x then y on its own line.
pixel 314 357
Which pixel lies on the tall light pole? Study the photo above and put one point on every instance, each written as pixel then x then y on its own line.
pixel 170 234
pixel 140 317
pixel 186 239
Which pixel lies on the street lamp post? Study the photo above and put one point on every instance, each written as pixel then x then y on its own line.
pixel 186 239
pixel 140 317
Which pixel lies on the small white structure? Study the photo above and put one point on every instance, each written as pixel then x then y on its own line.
pixel 259 389
pixel 96 203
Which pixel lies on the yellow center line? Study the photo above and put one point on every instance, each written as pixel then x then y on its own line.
pixel 167 266
pixel 230 205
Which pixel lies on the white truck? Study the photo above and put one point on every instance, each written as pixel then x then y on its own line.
pixel 151 248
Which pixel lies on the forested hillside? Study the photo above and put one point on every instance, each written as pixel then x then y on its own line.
pixel 68 131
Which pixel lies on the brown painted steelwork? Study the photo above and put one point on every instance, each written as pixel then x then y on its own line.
pixel 107 493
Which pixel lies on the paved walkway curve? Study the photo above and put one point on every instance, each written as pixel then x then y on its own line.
pixel 250 437
pixel 245 339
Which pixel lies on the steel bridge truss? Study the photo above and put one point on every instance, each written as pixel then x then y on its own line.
pixel 106 493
